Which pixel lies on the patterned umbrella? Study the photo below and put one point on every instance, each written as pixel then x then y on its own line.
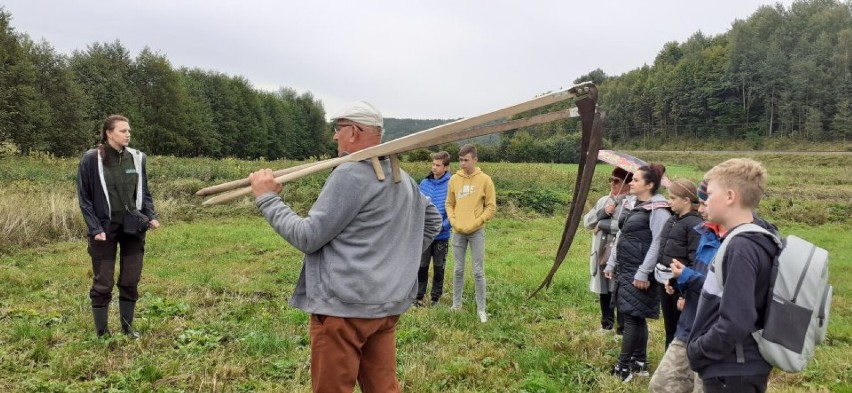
pixel 627 162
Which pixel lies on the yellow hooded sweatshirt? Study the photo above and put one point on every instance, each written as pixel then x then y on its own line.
pixel 471 201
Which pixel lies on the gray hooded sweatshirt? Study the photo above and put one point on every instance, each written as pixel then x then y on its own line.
pixel 362 241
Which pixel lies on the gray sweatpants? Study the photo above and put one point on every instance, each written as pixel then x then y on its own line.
pixel 477 255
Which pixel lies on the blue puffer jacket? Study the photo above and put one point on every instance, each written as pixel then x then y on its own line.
pixel 436 190
pixel 691 280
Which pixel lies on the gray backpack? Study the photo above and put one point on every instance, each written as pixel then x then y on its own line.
pixel 796 317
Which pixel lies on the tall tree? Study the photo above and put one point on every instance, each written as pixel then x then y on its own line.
pixel 162 104
pixel 19 102
pixel 597 76
pixel 841 125
pixel 104 72
pixel 63 114
pixel 813 124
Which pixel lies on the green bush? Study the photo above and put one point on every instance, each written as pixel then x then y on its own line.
pixel 419 155
pixel 539 201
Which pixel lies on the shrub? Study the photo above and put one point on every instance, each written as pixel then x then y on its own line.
pixel 539 201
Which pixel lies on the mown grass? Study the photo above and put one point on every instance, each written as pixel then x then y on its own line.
pixel 214 315
pixel 214 318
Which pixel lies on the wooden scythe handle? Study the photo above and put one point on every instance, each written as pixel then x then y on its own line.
pixel 457 130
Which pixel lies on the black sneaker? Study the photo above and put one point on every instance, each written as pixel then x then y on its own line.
pixel 623 373
pixel 418 303
pixel 434 303
pixel 639 369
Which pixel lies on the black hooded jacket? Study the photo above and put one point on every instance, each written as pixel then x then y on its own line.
pixel 723 321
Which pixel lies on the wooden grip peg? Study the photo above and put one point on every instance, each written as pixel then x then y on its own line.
pixel 394 161
pixel 377 166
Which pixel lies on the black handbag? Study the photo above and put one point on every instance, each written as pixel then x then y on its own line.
pixel 135 223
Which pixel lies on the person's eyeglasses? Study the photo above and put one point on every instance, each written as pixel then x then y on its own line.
pixel 338 127
pixel 615 180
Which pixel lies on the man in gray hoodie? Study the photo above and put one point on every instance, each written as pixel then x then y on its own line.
pixel 362 240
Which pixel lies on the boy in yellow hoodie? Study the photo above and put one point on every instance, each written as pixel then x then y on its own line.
pixel 471 202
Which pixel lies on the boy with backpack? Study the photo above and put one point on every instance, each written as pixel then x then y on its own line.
pixel 721 348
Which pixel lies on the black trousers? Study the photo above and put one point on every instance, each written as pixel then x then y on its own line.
pixel 437 252
pixel 671 314
pixel 610 317
pixel 739 384
pixel 634 344
pixel 103 253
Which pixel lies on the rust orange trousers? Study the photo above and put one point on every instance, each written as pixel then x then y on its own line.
pixel 346 350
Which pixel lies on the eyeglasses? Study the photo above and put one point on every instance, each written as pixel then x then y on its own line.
pixel 614 179
pixel 338 127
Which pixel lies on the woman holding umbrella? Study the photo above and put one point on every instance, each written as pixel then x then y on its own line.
pixel 603 219
pixel 631 264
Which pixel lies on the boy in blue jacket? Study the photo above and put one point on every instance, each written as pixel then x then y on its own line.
pixel 434 187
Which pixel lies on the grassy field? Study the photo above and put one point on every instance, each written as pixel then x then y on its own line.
pixel 214 317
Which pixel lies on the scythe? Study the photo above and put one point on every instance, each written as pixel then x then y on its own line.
pixel 592 128
pixel 585 95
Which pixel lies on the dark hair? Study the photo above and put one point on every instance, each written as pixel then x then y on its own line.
pixel 109 124
pixel 653 173
pixel 622 174
pixel 443 156
pixel 468 149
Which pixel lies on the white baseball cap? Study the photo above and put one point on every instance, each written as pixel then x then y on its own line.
pixel 361 112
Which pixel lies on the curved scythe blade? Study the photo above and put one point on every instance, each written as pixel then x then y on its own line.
pixel 591 141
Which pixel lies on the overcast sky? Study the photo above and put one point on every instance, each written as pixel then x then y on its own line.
pixel 426 59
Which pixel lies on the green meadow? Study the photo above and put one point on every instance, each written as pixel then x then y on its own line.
pixel 214 315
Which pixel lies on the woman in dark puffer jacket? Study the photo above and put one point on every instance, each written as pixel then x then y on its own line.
pixel 632 262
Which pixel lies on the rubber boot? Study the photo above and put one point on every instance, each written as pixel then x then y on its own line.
pixel 126 310
pixel 101 315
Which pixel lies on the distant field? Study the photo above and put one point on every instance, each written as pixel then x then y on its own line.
pixel 214 314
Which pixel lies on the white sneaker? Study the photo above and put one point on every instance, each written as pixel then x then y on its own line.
pixel 455 307
pixel 483 317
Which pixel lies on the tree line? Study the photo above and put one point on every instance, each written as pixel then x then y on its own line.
pixel 782 72
pixel 50 102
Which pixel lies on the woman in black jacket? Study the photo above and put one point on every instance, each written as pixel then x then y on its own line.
pixel 632 263
pixel 112 188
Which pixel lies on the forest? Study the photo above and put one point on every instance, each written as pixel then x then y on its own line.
pixel 782 75
pixel 53 103
pixel 780 72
